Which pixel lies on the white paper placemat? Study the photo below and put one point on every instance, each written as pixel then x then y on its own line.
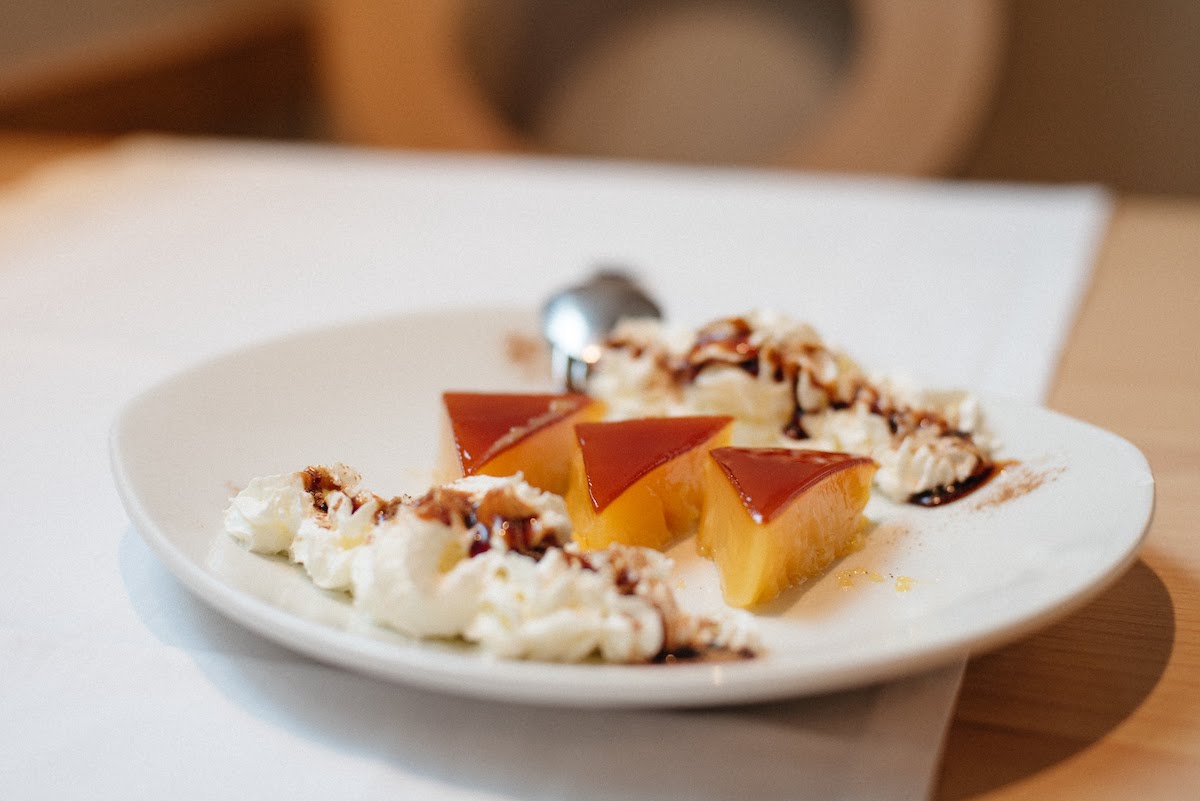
pixel 121 268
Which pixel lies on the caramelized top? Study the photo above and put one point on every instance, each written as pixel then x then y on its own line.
pixel 767 479
pixel 487 424
pixel 617 454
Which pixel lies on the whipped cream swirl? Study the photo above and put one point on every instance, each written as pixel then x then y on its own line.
pixel 489 560
pixel 786 387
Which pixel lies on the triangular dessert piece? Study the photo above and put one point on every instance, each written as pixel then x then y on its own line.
pixel 637 482
pixel 775 517
pixel 767 479
pixel 499 434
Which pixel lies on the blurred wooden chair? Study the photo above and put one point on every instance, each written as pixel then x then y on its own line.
pixel 892 86
pixel 190 66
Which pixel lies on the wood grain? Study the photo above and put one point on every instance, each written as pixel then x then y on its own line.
pixel 23 153
pixel 1106 704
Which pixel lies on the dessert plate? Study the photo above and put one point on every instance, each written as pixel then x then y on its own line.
pixel 930 585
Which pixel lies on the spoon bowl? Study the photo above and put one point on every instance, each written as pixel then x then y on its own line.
pixel 576 321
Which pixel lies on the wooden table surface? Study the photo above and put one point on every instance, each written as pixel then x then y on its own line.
pixel 1106 703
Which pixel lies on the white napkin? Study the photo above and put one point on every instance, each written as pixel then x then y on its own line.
pixel 122 267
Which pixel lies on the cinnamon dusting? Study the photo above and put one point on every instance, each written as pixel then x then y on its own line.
pixel 1017 481
pixel 527 353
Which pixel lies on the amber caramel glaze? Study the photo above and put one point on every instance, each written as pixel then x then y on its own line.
pixel 659 486
pixel 810 528
pixel 617 454
pixel 504 434
pixel 486 424
pixel 767 479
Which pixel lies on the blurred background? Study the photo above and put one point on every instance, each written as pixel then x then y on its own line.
pixel 1070 90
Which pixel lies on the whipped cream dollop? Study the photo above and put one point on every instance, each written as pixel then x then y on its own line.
pixel 486 559
pixel 785 387
pixel 316 516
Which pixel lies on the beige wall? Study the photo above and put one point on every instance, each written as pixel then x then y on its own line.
pixel 1098 90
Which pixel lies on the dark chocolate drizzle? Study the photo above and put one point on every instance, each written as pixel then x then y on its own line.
pixel 499 516
pixel 730 342
pixel 948 493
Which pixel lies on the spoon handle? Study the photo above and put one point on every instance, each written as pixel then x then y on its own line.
pixel 567 371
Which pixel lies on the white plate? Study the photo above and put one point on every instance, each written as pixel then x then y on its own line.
pixel 1023 551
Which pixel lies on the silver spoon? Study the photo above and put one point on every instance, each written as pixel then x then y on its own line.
pixel 576 321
